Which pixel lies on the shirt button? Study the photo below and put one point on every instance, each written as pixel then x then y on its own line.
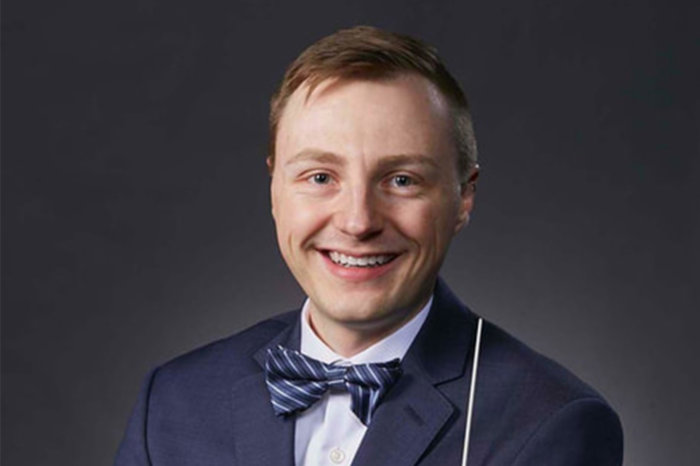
pixel 337 455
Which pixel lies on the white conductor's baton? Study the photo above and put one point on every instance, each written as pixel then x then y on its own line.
pixel 472 390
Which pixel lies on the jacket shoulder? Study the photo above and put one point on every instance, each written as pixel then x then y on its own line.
pixel 529 372
pixel 183 413
pixel 543 408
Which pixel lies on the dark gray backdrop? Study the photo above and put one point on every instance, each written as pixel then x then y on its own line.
pixel 135 205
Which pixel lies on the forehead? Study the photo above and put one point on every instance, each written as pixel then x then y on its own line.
pixel 366 117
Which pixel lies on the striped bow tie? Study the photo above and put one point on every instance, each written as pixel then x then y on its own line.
pixel 296 382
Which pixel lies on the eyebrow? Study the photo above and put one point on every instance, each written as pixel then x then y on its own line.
pixel 315 155
pixel 407 159
pixel 385 162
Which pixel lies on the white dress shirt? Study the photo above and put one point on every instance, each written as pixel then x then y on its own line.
pixel 329 433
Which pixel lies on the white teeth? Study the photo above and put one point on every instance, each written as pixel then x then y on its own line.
pixel 364 261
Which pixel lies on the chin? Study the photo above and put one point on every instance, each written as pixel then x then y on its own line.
pixel 356 311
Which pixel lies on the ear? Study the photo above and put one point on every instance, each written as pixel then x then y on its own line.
pixel 270 168
pixel 466 200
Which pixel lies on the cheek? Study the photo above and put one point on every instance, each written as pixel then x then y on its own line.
pixel 430 223
pixel 297 219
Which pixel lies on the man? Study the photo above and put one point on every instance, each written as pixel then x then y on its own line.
pixel 373 171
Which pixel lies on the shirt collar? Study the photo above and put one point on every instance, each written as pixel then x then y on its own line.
pixel 390 347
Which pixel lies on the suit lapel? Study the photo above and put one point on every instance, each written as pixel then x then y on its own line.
pixel 405 423
pixel 415 411
pixel 259 436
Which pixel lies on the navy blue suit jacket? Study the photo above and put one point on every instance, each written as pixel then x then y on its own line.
pixel 211 406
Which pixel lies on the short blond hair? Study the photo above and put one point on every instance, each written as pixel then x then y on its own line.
pixel 365 52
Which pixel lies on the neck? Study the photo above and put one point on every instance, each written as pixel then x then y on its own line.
pixel 350 338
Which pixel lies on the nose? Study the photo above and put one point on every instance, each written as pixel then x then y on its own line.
pixel 359 213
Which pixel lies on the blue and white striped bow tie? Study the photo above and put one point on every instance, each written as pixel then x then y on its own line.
pixel 296 382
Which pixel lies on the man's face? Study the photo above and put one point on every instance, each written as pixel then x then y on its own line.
pixel 366 198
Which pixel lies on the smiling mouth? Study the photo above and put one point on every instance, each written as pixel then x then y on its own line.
pixel 365 261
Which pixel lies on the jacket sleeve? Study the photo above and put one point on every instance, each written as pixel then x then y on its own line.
pixel 133 450
pixel 584 432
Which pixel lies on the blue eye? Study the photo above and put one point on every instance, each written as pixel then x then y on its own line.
pixel 402 181
pixel 320 178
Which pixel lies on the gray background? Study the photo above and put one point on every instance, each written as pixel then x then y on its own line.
pixel 136 218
